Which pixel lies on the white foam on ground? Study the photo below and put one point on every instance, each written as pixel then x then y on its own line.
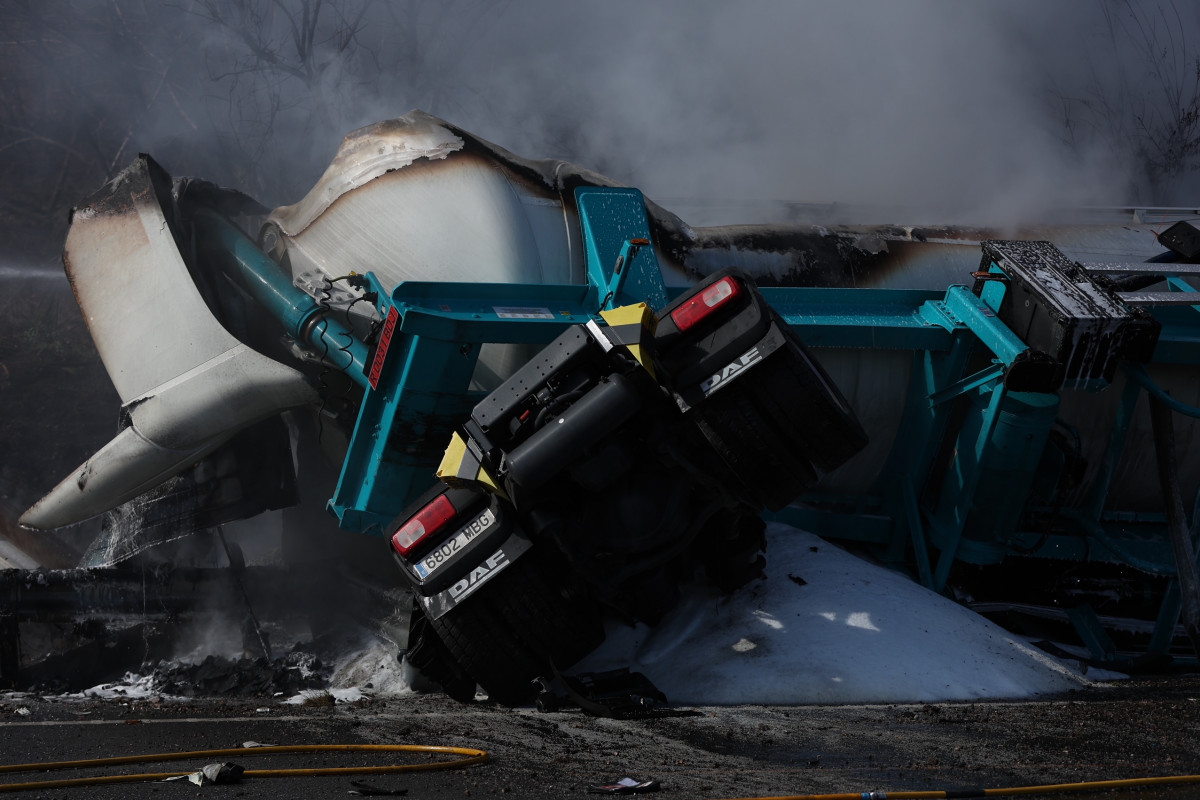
pixel 377 671
pixel 131 687
pixel 853 633
pixel 347 695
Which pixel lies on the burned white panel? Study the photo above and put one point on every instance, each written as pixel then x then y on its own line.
pixel 404 200
pixel 186 384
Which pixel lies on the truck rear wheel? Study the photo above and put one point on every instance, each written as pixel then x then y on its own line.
pixel 514 629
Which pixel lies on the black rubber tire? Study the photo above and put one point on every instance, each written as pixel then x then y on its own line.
pixel 428 654
pixel 485 647
pixel 780 426
pixel 555 627
pixel 514 628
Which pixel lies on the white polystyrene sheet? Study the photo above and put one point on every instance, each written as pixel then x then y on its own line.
pixel 828 627
pixel 13 557
pixel 145 314
pixel 364 155
pixel 187 383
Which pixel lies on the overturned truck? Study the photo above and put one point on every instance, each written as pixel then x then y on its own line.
pixel 553 400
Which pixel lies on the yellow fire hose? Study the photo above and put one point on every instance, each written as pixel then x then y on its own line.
pixel 1048 788
pixel 472 756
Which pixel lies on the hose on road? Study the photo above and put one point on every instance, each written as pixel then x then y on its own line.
pixel 474 756
pixel 1009 791
pixel 471 756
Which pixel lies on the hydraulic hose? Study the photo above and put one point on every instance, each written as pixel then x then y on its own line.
pixel 471 756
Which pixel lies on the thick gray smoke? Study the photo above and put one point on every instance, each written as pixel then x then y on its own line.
pixel 983 111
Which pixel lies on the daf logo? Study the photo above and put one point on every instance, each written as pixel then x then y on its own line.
pixel 748 359
pixel 478 575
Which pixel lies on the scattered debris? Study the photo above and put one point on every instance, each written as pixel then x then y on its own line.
pixel 625 786
pixel 223 773
pixel 365 789
pixel 617 693
pixel 219 676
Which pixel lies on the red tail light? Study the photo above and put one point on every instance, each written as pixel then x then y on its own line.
pixel 705 303
pixel 427 521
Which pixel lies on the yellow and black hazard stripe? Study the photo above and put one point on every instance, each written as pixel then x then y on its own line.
pixel 461 469
pixel 632 327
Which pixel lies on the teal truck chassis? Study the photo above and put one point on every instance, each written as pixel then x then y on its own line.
pixel 662 451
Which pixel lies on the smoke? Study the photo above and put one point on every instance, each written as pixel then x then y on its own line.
pixel 986 111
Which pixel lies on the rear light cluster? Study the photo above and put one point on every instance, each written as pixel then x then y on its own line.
pixel 427 521
pixel 706 303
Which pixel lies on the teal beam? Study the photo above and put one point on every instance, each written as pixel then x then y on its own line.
pixel 1091 631
pixel 1178 284
pixel 402 428
pixel 1168 619
pixel 885 319
pixel 983 322
pixel 491 312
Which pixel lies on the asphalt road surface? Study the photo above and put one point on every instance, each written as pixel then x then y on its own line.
pixel 1133 729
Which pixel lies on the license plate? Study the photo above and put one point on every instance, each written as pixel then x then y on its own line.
pixel 438 558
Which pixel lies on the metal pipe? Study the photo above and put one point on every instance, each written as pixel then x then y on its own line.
pixel 302 316
pixel 1139 374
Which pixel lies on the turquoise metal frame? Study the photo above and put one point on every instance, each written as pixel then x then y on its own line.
pixel 961 353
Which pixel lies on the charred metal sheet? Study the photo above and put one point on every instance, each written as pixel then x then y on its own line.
pixel 1057 308
pixel 1183 239
pixel 186 383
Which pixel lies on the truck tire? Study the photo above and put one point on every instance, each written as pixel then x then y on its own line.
pixel 561 629
pixel 428 654
pixel 514 629
pixel 780 426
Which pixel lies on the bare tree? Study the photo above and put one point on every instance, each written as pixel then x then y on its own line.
pixel 288 68
pixel 66 125
pixel 1142 100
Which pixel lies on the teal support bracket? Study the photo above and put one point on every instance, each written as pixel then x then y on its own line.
pixel 421 376
pixel 969 384
pixel 1178 284
pixel 402 428
pixel 983 322
pixel 949 527
pixel 918 535
pixel 620 258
